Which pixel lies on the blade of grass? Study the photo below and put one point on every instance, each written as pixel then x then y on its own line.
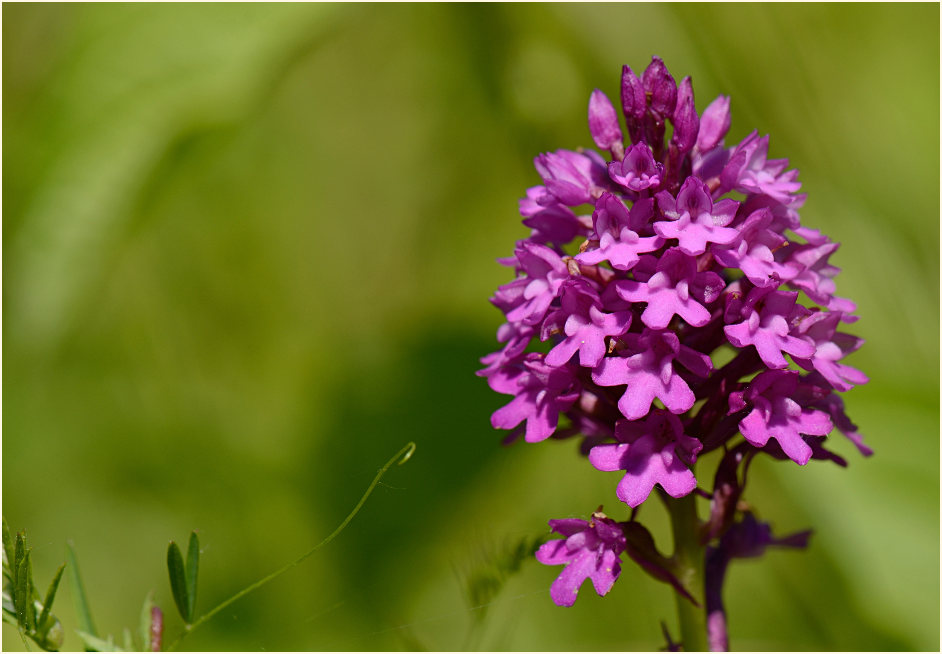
pixel 82 611
pixel 50 597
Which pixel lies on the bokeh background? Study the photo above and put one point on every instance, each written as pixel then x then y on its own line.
pixel 247 251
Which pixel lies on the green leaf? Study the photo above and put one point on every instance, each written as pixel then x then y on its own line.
pixel 128 642
pixel 50 598
pixel 30 592
pixel 8 548
pixel 82 611
pixel 192 572
pixel 144 626
pixel 18 550
pixel 21 589
pixel 177 580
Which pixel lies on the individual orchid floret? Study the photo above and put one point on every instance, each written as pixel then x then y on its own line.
pixel 833 405
pixel 638 170
pixel 542 393
pixel 572 178
pixel 590 550
pixel 655 451
pixel 646 365
pixel 813 274
pixel 584 323
pixel 749 171
pixel 749 538
pixel 694 219
pixel 501 370
pixel 616 233
pixel 603 124
pixel 754 252
pixel 714 123
pixel 530 295
pixel 830 347
pixel 774 414
pixel 676 288
pixel 769 321
pixel 555 224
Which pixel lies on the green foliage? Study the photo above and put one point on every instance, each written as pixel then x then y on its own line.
pixel 79 599
pixel 178 581
pixel 22 606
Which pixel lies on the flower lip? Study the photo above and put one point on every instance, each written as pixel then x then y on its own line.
pixel 638 170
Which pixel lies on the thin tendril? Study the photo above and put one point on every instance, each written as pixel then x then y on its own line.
pixel 400 457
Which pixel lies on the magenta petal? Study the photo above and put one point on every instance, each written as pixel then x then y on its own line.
pixel 553 553
pixel 609 457
pixel 603 121
pixel 566 587
pixel 607 569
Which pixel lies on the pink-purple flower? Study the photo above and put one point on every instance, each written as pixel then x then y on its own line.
pixel 589 550
pixel 652 451
pixel 645 264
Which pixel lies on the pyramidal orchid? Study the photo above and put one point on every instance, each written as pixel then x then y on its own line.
pixel 667 303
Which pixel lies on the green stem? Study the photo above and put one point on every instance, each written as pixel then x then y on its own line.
pixel 689 558
pixel 401 456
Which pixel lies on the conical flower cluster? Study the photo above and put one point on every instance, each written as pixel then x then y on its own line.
pixel 669 302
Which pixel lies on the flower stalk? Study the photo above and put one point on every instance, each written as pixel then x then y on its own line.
pixel 689 557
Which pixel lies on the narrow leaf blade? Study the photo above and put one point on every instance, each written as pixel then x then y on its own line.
pixel 82 611
pixel 50 597
pixel 18 550
pixel 31 593
pixel 8 548
pixel 21 591
pixel 192 573
pixel 177 579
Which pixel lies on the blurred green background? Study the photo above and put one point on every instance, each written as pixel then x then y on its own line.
pixel 247 251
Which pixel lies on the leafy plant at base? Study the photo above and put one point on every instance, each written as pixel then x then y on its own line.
pixel 22 606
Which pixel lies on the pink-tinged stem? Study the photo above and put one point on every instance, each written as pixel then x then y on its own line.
pixel 156 628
